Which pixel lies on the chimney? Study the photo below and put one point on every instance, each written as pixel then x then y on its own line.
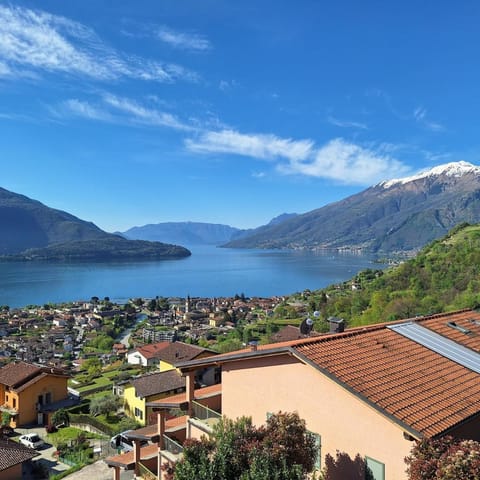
pixel 337 325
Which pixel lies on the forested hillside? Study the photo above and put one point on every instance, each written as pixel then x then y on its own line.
pixel 444 276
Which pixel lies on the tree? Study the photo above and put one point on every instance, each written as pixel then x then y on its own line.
pixel 445 458
pixel 104 405
pixel 92 366
pixel 6 418
pixel 60 417
pixel 280 450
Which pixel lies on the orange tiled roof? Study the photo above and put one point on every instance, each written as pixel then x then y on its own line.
pixel 418 388
pixel 14 374
pixel 152 350
pixel 176 422
pixel 126 459
pixel 182 397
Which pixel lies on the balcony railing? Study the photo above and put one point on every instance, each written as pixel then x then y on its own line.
pixel 145 473
pixel 172 446
pixel 205 414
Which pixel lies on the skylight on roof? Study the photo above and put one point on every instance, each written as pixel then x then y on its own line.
pixel 466 331
pixel 439 344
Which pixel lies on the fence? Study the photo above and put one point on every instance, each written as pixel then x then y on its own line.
pixel 204 413
pixel 172 446
pixel 78 418
pixel 145 473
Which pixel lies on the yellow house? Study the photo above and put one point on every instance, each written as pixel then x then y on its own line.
pixel 177 352
pixel 147 388
pixel 29 392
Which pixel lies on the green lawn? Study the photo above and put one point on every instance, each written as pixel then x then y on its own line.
pixel 67 434
pixel 106 379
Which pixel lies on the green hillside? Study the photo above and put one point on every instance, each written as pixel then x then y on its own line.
pixel 444 276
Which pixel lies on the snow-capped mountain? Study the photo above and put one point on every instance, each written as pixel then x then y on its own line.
pixel 392 216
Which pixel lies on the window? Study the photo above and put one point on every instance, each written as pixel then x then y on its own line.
pixel 376 468
pixel 138 413
pixel 14 402
pixel 6 398
pixel 318 447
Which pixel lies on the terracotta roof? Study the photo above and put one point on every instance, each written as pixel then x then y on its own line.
pixel 12 453
pixel 150 432
pixel 14 374
pixel 152 350
pixel 288 333
pixel 182 352
pixel 158 382
pixel 421 390
pixel 176 423
pixel 125 460
pixel 469 319
pixel 180 398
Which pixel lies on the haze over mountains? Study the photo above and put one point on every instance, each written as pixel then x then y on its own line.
pixel 194 233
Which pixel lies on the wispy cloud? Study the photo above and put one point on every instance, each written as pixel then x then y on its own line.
pixel 347 163
pixel 183 40
pixel 225 85
pixel 346 123
pixel 119 110
pixel 145 116
pixel 420 115
pixel 262 146
pixel 86 110
pixel 39 41
pixel 338 160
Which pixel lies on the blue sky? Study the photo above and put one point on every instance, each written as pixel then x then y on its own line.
pixel 126 113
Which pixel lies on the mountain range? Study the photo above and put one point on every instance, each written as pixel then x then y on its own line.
pixel 398 215
pixel 31 230
pixel 194 233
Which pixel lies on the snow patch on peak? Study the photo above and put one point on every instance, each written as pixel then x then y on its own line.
pixel 453 169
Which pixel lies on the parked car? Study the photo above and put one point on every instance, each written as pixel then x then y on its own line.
pixel 31 440
pixel 123 443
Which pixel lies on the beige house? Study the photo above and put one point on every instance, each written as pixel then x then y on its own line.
pixel 370 391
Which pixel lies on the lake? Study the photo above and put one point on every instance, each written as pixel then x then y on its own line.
pixel 209 272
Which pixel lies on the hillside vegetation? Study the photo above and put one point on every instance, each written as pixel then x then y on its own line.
pixel 444 276
pixel 114 248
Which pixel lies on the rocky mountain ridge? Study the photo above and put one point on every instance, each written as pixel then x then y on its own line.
pixel 399 215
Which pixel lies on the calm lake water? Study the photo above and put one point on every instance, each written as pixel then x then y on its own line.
pixel 209 272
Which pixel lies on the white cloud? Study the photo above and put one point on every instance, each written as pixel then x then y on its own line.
pixel 420 115
pixel 86 110
pixel 346 123
pixel 226 85
pixel 182 40
pixel 337 160
pixel 40 41
pixel 266 147
pixel 347 163
pixel 145 116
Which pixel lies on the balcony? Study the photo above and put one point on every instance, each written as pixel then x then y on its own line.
pixel 205 415
pixel 172 446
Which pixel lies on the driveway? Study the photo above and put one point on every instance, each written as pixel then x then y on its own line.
pixel 96 471
pixel 45 458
